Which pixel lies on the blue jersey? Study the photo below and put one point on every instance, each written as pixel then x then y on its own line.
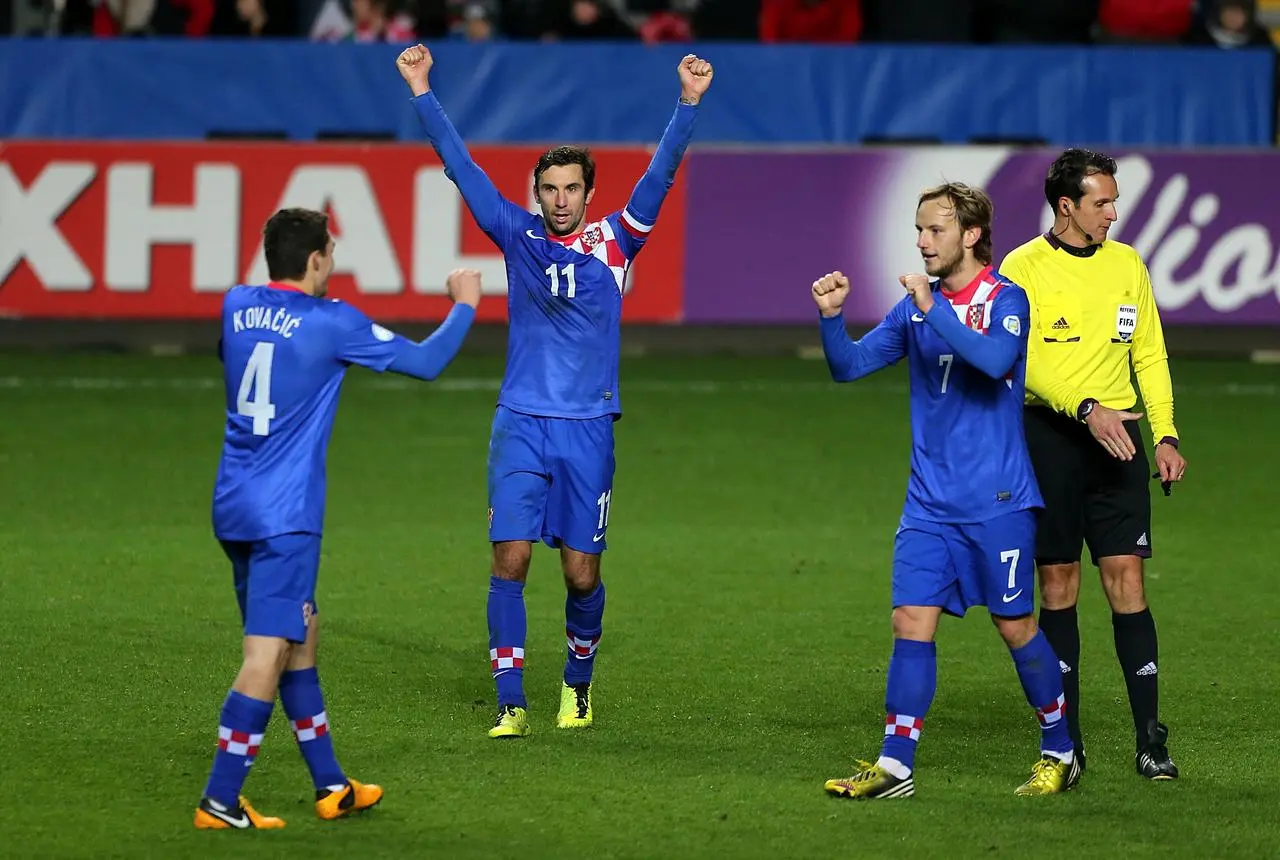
pixel 564 294
pixel 967 363
pixel 284 355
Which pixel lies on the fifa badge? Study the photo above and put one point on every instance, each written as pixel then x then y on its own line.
pixel 1126 322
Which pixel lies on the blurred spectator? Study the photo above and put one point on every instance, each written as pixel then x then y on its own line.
pixel 665 26
pixel 1230 24
pixel 379 21
pixel 583 19
pixel 182 17
pixel 1143 20
pixel 122 17
pixel 810 21
pixel 477 22
pixel 254 19
pixel 331 23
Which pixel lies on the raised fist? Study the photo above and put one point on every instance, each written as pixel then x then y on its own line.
pixel 830 292
pixel 414 64
pixel 920 289
pixel 695 77
pixel 463 286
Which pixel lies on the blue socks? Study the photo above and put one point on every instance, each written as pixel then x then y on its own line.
pixel 240 730
pixel 507 627
pixel 912 681
pixel 304 705
pixel 1041 678
pixel 583 618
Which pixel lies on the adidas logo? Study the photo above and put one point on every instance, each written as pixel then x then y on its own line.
pixel 1142 541
pixel 1064 667
pixel 1061 323
pixel 1149 669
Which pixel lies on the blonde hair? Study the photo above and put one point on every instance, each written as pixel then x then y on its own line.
pixel 973 208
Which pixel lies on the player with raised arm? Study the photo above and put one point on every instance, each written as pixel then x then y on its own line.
pixel 967 533
pixel 285 349
pixel 551 452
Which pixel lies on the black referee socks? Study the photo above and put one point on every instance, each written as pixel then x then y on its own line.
pixel 1136 648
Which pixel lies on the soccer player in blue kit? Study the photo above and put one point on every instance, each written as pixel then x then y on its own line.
pixel 285 349
pixel 967 533
pixel 551 450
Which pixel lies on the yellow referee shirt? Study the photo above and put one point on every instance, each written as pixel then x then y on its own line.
pixel 1093 314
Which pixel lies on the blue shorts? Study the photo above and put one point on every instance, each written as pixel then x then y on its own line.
pixel 550 479
pixel 958 566
pixel 275 581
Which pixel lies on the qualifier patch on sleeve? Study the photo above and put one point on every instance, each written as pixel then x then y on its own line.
pixel 1012 325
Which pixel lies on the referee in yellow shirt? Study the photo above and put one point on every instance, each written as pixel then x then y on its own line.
pixel 1093 316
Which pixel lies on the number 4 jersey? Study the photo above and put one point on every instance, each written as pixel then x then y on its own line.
pixel 284 354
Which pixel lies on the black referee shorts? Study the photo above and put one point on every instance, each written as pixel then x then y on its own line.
pixel 1090 497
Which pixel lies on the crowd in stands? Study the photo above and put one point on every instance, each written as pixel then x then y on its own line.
pixel 1225 23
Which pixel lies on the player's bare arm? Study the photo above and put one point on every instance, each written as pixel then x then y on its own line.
pixel 830 293
pixel 695 78
pixel 415 64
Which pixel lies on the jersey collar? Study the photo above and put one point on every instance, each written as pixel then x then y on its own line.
pixel 965 294
pixel 1059 245
pixel 276 285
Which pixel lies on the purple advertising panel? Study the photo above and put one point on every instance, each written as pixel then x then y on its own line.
pixel 762 226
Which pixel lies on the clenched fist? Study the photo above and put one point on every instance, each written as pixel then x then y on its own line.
pixel 695 77
pixel 921 291
pixel 415 64
pixel 830 292
pixel 463 286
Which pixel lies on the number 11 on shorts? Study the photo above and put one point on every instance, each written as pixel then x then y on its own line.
pixel 603 504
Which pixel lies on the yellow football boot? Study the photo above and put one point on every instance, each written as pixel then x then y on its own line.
pixel 871 782
pixel 512 722
pixel 1050 776
pixel 575 707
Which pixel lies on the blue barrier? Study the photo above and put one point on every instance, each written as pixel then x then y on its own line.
pixel 533 93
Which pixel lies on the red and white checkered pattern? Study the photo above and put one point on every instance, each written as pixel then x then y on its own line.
pixel 310 728
pixel 598 240
pixel 1050 714
pixel 581 648
pixel 903 726
pixel 975 310
pixel 238 743
pixel 506 658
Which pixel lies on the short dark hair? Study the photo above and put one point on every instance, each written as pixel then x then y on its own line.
pixel 288 240
pixel 973 208
pixel 563 156
pixel 1067 173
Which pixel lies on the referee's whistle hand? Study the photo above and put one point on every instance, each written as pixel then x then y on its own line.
pixel 1107 426
pixel 1170 464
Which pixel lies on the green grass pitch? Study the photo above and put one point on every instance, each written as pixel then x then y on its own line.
pixel 745 643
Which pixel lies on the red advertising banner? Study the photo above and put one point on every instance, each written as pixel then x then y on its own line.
pixel 160 231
